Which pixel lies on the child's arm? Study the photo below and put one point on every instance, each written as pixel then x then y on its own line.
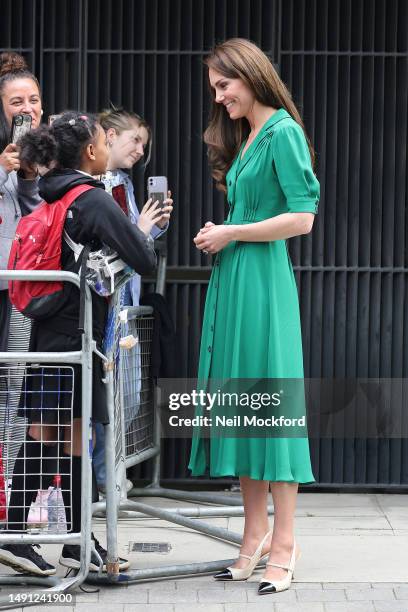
pixel 96 214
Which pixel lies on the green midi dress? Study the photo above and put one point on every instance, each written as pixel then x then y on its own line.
pixel 251 326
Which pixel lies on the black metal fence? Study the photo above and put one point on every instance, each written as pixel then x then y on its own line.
pixel 346 63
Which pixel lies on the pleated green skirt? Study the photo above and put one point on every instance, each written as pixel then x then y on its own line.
pixel 251 329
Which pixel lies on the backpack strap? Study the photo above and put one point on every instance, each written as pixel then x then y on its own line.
pixel 80 252
pixel 85 253
pixel 69 198
pixel 76 247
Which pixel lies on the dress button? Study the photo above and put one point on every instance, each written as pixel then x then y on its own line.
pixel 212 328
pixel 209 349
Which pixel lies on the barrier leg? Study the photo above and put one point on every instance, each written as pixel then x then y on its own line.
pixel 112 564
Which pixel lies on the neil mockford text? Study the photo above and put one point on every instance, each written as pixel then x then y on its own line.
pixel 208 401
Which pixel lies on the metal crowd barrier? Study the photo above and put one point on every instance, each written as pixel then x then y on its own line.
pixel 17 379
pixel 134 435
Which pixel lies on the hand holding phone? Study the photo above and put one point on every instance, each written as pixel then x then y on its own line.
pixel 9 158
pixel 149 216
pixel 21 124
pixel 157 189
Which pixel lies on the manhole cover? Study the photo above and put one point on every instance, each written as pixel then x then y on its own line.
pixel 150 547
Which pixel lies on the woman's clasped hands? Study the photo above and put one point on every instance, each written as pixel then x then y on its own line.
pixel 213 238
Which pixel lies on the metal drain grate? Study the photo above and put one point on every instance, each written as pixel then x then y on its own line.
pixel 162 548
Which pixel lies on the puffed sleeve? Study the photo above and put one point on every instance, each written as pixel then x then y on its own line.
pixel 293 168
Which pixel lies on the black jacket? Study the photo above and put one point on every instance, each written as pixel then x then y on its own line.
pixel 94 218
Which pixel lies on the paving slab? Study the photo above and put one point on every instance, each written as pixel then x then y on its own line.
pixel 391 501
pixel 401 591
pixel 348 503
pixel 350 606
pixel 308 595
pixel 391 606
pixel 370 594
pixel 199 607
pixel 318 523
pixel 397 522
pixel 299 607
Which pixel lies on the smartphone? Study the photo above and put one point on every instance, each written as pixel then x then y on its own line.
pixel 21 124
pixel 157 189
pixel 119 195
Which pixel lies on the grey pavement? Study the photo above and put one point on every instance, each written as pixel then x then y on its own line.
pixel 354 559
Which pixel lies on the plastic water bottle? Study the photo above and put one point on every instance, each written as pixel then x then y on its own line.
pixel 56 510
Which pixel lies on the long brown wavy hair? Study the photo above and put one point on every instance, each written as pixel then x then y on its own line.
pixel 238 58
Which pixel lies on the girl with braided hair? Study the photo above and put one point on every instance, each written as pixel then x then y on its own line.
pixel 70 153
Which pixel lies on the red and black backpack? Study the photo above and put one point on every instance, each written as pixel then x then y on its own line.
pixel 37 245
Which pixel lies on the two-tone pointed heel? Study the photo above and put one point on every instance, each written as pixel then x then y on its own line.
pixel 275 586
pixel 235 573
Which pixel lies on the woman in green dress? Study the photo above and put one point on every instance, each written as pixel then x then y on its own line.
pixel 262 159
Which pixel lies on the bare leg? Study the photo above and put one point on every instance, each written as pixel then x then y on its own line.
pixel 255 497
pixel 284 495
pixel 76 440
pixel 47 434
